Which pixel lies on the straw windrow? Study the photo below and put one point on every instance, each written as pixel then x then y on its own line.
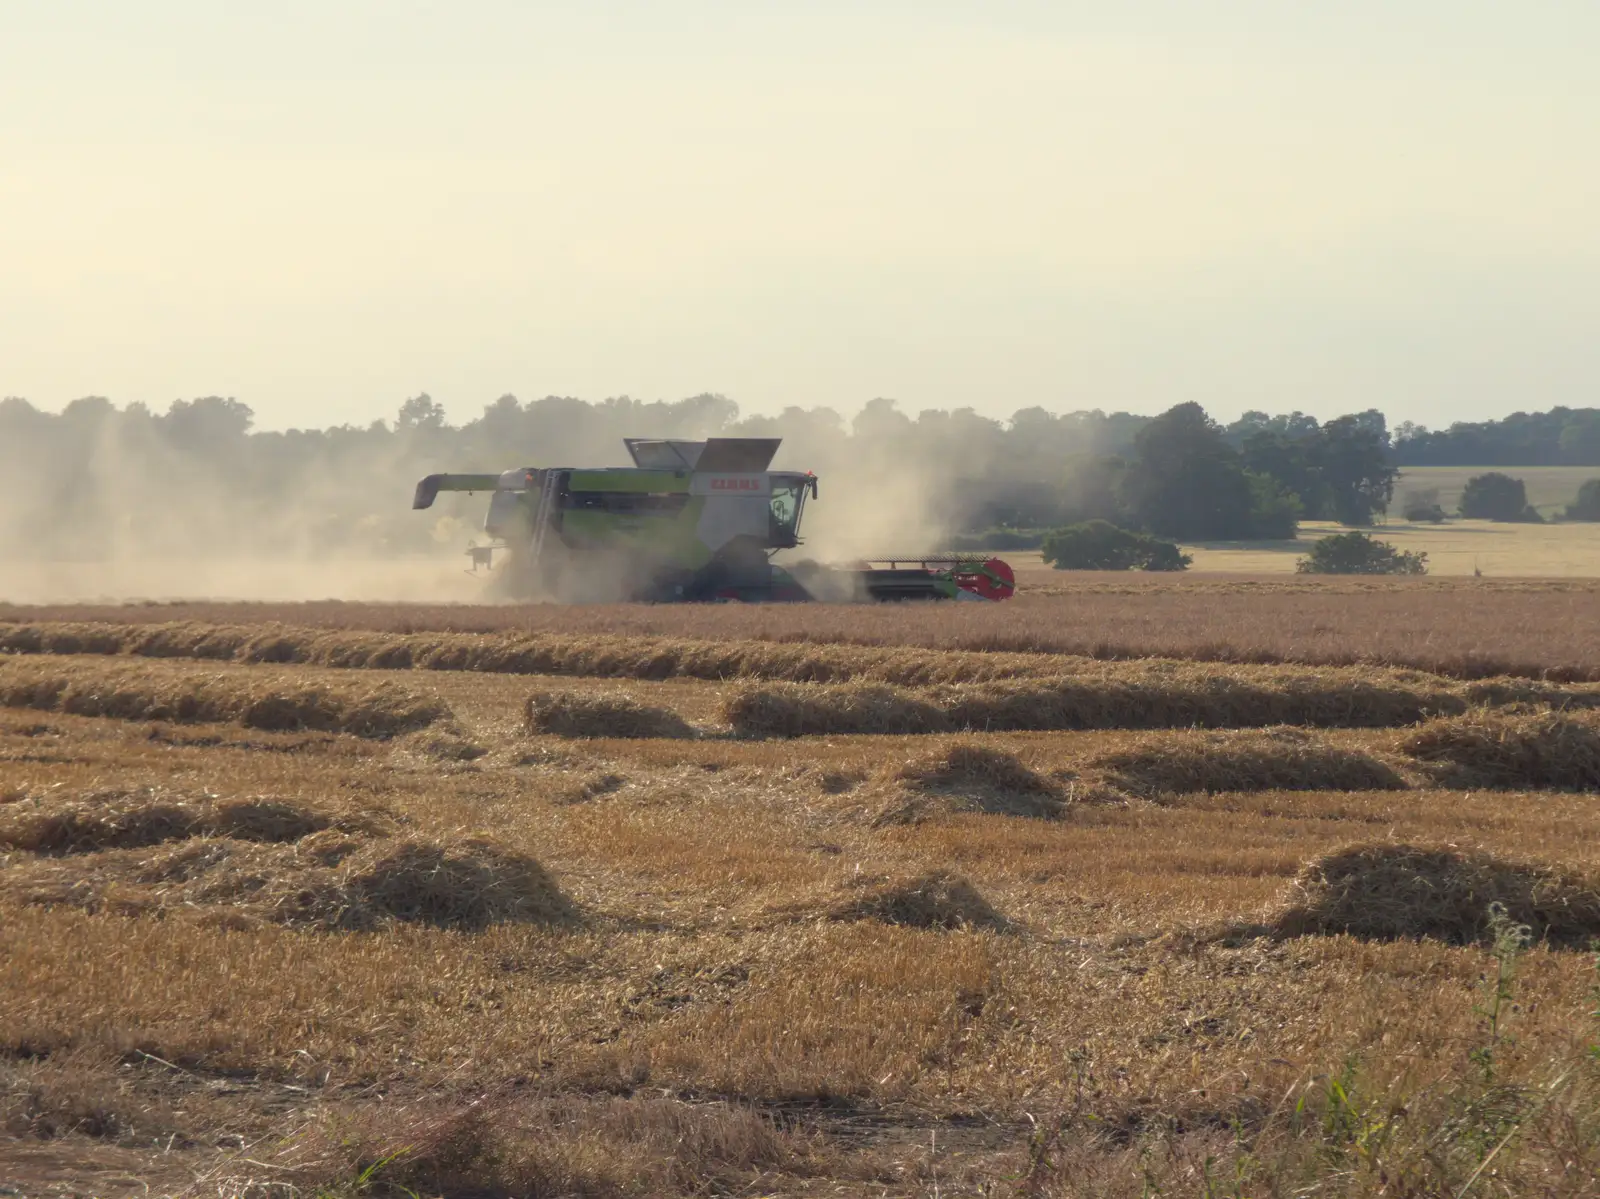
pixel 1176 697
pixel 970 778
pixel 602 656
pixel 1511 750
pixel 328 880
pixel 1399 892
pixel 56 825
pixel 653 656
pixel 131 692
pixel 581 715
pixel 1281 759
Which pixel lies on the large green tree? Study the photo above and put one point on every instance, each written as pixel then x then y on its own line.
pixel 1587 505
pixel 1187 483
pixel 1496 496
pixel 1293 463
pixel 1352 463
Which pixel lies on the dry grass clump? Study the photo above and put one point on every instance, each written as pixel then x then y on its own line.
pixel 1281 759
pixel 328 880
pixel 936 900
pixel 443 744
pixel 276 705
pixel 592 787
pixel 133 819
pixel 1395 892
pixel 467 884
pixel 801 710
pixel 1509 692
pixel 575 714
pixel 1511 750
pixel 1175 697
pixel 972 778
pixel 561 1145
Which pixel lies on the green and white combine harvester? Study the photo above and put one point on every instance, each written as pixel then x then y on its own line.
pixel 690 520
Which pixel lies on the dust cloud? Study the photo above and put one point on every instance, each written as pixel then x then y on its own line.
pixel 103 502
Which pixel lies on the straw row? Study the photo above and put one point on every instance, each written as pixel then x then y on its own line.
pixel 269 702
pixel 1183 696
pixel 637 657
pixel 1397 891
pixel 102 820
pixel 328 880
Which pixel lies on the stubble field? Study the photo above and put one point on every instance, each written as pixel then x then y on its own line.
pixel 1126 887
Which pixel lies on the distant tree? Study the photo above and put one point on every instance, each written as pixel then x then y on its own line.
pixel 90 410
pixel 881 419
pixel 1353 463
pixel 502 421
pixel 1579 440
pixel 1358 554
pixel 1407 430
pixel 1185 481
pixel 1587 505
pixel 1292 426
pixel 1293 463
pixel 1495 496
pixel 1274 509
pixel 1100 545
pixel 1340 470
pixel 1374 422
pixel 17 417
pixel 706 413
pixel 207 423
pixel 420 412
pixel 1422 505
pixel 998 503
pixel 1090 488
pixel 1561 436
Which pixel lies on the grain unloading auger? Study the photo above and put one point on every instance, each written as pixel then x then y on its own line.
pixel 690 520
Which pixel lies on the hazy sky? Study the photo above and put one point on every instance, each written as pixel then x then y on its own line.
pixel 323 207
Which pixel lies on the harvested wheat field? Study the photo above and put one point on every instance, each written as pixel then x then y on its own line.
pixel 338 901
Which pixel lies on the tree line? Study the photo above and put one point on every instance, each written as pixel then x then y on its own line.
pixel 97 479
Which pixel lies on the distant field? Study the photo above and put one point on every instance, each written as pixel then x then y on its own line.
pixel 1550 488
pixel 1457 547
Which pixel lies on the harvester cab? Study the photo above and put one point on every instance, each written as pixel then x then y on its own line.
pixel 690 520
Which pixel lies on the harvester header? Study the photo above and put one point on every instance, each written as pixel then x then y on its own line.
pixel 690 520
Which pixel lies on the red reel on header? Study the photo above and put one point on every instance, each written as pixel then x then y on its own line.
pixel 994 580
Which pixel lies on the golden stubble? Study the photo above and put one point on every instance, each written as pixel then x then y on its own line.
pixel 736 928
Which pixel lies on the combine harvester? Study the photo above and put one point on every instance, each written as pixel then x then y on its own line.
pixel 690 520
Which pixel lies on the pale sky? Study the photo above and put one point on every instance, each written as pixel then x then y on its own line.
pixel 323 207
